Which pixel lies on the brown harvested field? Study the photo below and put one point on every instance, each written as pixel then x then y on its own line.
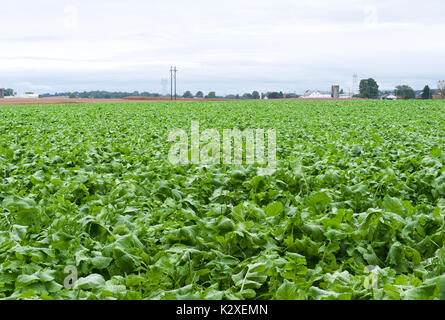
pixel 28 101
pixel 31 101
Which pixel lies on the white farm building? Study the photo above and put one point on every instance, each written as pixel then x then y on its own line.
pixel 316 94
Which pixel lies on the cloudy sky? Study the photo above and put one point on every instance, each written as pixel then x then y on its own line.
pixel 230 46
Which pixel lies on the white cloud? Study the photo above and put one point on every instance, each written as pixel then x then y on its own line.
pixel 228 47
pixel 71 19
pixel 32 86
pixel 371 18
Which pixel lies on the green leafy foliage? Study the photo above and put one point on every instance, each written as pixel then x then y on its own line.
pixel 354 211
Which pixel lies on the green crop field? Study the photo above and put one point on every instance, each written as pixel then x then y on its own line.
pixel 91 207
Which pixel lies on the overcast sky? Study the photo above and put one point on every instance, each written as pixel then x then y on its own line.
pixel 230 46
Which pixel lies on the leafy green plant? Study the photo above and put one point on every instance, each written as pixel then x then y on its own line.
pixel 354 211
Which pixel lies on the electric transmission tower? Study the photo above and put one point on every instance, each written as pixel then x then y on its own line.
pixel 355 84
pixel 171 83
pixel 164 84
pixel 175 70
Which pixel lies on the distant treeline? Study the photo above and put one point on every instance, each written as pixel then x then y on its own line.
pixel 368 89
pixel 9 92
pixel 245 96
pixel 100 94
pixel 187 94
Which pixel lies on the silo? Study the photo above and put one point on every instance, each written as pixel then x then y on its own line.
pixel 335 91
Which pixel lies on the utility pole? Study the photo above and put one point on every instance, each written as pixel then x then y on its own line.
pixel 172 78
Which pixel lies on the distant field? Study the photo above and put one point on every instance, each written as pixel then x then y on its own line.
pixel 31 101
pixel 355 209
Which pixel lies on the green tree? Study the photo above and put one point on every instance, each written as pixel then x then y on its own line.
pixel 187 94
pixel 199 94
pixel 73 96
pixel 255 95
pixel 273 95
pixel 369 89
pixel 405 92
pixel 247 96
pixel 9 92
pixel 211 95
pixel 426 94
